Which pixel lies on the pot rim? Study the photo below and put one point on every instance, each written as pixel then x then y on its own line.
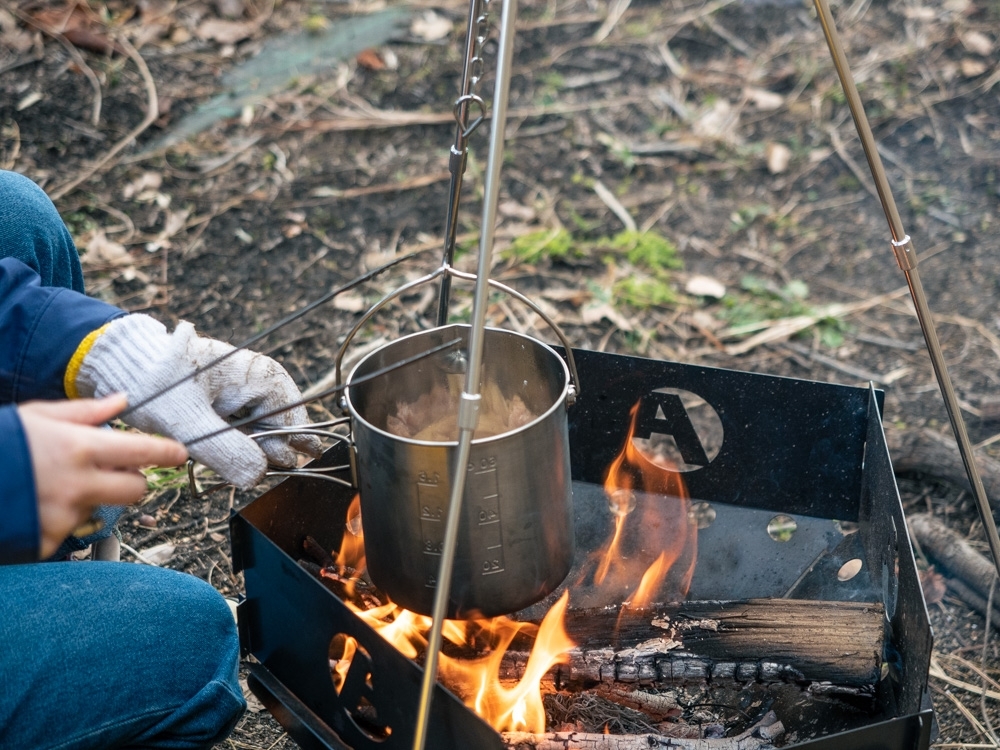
pixel 559 402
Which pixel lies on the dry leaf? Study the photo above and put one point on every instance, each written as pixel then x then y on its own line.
pixel 99 249
pixel 933 585
pixel 972 68
pixel 575 297
pixel 819 154
pixel 349 302
pixel 175 222
pixel 225 32
pixel 145 181
pixel 778 157
pixel 717 121
pixel 33 98
pixel 594 313
pixel 763 99
pixel 978 43
pixel 159 554
pixel 12 37
pixel 705 286
pixel 430 26
pixel 369 58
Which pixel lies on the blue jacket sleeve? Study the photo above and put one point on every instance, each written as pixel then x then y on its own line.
pixel 19 531
pixel 40 328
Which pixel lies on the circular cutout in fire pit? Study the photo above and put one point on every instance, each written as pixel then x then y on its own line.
pixel 702 514
pixel 849 569
pixel 781 528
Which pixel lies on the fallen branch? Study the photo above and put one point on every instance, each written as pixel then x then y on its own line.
pixel 974 600
pixel 758 737
pixel 952 552
pixel 924 451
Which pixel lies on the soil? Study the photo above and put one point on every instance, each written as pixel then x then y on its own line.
pixel 720 130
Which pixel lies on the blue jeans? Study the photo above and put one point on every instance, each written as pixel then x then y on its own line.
pixel 114 655
pixel 96 654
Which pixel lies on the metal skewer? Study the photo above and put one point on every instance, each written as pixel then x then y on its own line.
pixel 468 406
pixel 906 257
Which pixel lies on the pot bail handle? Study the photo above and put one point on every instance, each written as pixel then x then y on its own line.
pixel 574 385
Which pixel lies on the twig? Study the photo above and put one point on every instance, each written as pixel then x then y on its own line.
pixel 379 119
pixel 609 200
pixel 615 12
pixel 322 196
pixel 844 367
pixel 152 112
pixel 783 328
pixel 967 714
pixel 862 177
pixel 138 555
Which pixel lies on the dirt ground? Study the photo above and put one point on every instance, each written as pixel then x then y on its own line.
pixel 679 176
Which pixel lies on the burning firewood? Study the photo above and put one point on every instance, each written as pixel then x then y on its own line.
pixel 763 640
pixel 758 737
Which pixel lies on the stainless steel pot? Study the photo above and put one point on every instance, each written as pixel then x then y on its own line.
pixel 516 540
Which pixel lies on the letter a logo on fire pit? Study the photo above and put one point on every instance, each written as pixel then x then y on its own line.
pixel 679 426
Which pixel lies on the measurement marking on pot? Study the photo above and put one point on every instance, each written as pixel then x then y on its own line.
pixel 431 501
pixel 484 491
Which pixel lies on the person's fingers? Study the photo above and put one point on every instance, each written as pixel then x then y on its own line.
pixel 115 449
pixel 117 487
pixel 88 411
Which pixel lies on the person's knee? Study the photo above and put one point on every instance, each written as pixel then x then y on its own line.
pixel 32 231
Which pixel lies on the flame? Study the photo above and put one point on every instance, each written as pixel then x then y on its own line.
pixel 652 533
pixel 653 541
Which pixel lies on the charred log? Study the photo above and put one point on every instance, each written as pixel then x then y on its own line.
pixel 757 640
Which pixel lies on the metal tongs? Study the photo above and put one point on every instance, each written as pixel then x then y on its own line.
pixel 906 257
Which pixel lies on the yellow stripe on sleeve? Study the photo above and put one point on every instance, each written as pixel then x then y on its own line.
pixel 76 361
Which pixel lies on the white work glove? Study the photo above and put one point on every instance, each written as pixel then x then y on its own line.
pixel 135 355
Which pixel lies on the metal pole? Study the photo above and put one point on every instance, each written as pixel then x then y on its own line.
pixel 468 407
pixel 906 257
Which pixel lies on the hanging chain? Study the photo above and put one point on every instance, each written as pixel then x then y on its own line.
pixel 472 76
pixel 469 99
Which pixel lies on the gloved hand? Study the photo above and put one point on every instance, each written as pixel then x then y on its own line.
pixel 136 355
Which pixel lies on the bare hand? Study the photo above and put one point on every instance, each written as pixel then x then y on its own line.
pixel 78 465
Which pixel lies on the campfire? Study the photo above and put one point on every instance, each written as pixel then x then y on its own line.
pixel 674 624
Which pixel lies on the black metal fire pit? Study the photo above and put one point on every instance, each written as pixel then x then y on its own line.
pixel 812 455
